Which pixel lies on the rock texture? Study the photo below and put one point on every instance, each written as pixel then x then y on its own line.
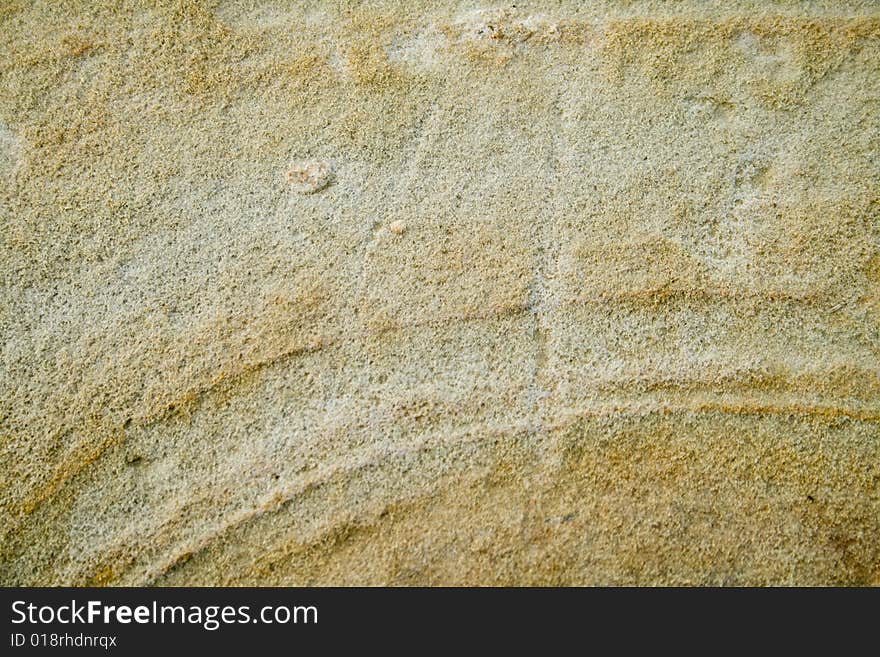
pixel 439 293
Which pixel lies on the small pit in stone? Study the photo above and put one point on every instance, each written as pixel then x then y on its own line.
pixel 309 177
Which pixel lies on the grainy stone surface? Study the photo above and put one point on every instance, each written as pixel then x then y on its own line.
pixel 560 293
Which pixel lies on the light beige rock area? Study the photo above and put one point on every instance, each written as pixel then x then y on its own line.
pixel 439 293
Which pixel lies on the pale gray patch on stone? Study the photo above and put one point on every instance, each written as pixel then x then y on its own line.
pixel 10 149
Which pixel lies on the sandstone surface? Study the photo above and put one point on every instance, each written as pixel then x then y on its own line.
pixel 439 292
